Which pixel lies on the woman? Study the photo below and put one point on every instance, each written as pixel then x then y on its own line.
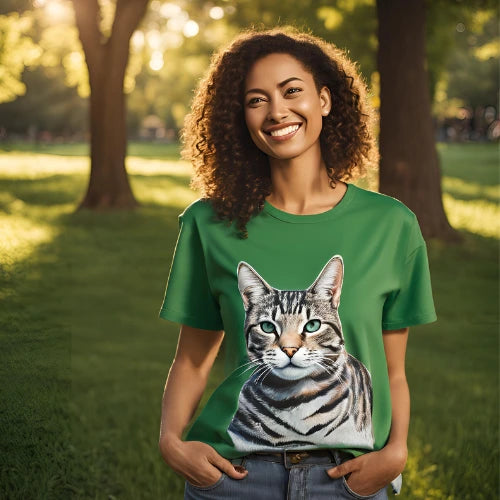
pixel 313 287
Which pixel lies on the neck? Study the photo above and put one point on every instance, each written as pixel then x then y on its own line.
pixel 301 184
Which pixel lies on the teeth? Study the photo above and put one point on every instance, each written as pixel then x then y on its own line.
pixel 285 131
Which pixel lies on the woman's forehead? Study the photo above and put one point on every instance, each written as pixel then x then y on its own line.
pixel 276 68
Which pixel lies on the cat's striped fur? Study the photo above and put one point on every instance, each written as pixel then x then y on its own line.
pixel 306 391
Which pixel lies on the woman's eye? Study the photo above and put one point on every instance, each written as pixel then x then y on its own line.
pixel 254 100
pixel 295 89
pixel 312 326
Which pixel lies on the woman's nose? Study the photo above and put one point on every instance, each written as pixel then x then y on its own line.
pixel 277 110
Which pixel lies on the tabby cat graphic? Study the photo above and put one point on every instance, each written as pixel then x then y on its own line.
pixel 306 390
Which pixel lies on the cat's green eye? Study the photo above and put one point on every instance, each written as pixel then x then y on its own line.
pixel 312 326
pixel 267 327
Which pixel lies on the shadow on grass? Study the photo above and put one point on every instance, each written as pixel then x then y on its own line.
pixel 61 189
pixel 84 355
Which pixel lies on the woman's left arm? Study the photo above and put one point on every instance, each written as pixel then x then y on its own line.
pixel 395 352
pixel 372 471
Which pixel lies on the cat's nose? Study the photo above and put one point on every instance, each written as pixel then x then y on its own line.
pixel 289 351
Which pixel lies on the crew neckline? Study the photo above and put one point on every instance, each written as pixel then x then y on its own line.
pixel 310 218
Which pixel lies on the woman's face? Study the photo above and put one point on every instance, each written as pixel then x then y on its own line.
pixel 283 110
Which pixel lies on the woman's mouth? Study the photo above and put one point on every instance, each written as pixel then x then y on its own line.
pixel 284 133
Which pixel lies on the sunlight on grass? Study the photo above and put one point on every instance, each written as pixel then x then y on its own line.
pixel 478 216
pixel 165 195
pixel 17 165
pixel 37 166
pixel 470 189
pixel 164 191
pixel 21 235
pixel 418 476
pixel 142 166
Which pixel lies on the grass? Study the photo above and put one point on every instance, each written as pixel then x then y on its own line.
pixel 140 149
pixel 85 357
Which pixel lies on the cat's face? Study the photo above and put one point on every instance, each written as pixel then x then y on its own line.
pixel 293 332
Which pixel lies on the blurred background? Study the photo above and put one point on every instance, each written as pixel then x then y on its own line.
pixel 45 86
pixel 92 99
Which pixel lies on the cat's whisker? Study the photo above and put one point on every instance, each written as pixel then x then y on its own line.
pixel 323 366
pixel 255 360
pixel 261 367
pixel 248 368
pixel 264 375
pixel 337 374
pixel 341 379
pixel 260 372
pixel 250 364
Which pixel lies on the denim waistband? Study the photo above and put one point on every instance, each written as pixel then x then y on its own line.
pixel 291 458
pixel 294 458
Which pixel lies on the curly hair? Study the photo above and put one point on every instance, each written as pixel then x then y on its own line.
pixel 229 169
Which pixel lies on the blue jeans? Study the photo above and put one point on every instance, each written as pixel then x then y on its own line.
pixel 269 478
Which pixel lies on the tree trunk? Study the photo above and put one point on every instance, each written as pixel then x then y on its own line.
pixel 108 185
pixel 409 165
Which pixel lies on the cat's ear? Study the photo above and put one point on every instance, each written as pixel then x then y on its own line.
pixel 251 285
pixel 328 284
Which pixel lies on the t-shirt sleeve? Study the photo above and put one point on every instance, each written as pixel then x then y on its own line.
pixel 411 303
pixel 188 298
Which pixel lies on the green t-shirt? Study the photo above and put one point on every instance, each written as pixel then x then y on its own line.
pixel 303 302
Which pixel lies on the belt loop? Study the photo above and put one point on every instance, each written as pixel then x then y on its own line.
pixel 285 461
pixel 332 455
pixel 336 456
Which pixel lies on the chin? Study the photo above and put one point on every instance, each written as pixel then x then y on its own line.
pixel 287 155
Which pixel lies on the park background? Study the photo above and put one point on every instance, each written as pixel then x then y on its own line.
pixel 83 265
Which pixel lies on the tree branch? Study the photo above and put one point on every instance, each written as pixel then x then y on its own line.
pixel 87 17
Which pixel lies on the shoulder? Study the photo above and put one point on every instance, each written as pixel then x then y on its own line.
pixel 390 215
pixel 383 205
pixel 199 210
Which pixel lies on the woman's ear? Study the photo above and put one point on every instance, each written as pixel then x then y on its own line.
pixel 325 100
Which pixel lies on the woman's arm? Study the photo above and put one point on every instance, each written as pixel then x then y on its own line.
pixel 186 381
pixel 198 462
pixel 395 352
pixel 372 471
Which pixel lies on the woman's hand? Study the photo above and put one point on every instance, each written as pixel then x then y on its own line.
pixel 372 471
pixel 198 462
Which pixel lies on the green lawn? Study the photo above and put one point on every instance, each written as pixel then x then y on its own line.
pixel 85 356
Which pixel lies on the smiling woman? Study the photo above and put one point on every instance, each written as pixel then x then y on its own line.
pixel 275 113
pixel 313 302
pixel 258 84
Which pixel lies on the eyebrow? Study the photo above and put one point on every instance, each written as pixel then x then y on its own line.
pixel 284 82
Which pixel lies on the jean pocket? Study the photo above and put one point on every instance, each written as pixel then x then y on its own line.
pixel 353 494
pixel 210 486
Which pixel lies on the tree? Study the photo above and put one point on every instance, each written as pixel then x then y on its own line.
pixel 17 51
pixel 106 63
pixel 409 165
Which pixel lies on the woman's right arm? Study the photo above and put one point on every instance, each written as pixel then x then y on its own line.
pixel 187 378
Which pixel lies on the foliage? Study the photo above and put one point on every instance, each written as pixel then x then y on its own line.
pixel 166 61
pixel 17 50
pixel 463 48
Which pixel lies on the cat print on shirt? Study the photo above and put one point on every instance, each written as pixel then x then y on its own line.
pixel 306 390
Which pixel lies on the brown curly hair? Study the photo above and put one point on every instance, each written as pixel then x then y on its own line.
pixel 229 169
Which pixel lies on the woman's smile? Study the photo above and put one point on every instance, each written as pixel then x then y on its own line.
pixel 284 132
